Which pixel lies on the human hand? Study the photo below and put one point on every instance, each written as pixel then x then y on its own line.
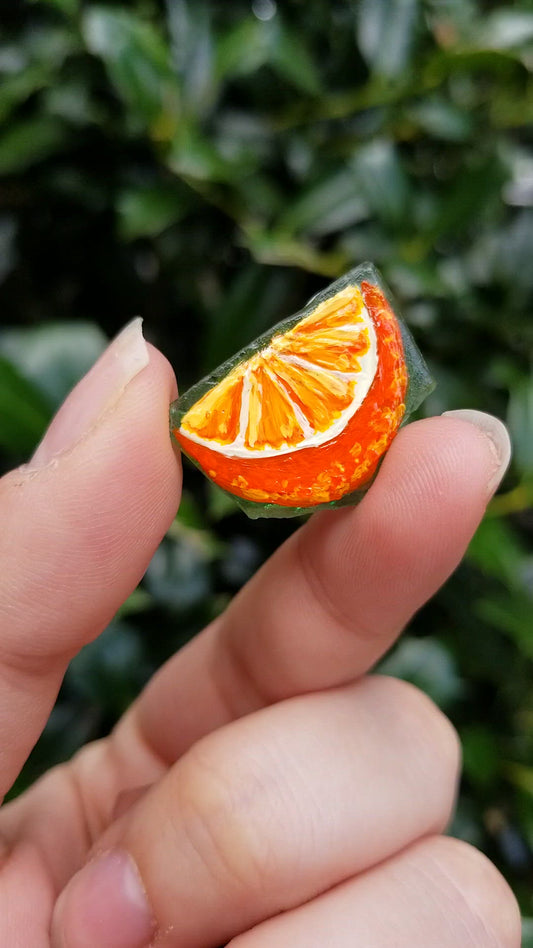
pixel 292 799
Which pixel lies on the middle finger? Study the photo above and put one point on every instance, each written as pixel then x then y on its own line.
pixel 334 597
pixel 265 813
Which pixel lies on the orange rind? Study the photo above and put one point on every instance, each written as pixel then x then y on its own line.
pixel 302 417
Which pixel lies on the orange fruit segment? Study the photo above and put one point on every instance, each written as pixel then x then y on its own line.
pixel 305 420
pixel 305 383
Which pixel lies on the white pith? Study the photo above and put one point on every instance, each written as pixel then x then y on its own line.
pixel 362 381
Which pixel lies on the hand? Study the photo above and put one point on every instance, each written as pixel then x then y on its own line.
pixel 264 789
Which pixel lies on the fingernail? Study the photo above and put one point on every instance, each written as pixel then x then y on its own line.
pixel 104 905
pixel 497 436
pixel 95 394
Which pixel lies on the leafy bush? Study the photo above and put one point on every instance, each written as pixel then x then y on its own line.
pixel 211 165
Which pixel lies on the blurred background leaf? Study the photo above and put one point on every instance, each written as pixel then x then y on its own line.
pixel 53 356
pixel 24 413
pixel 208 166
pixel 386 31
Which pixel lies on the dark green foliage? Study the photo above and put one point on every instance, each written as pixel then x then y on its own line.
pixel 210 166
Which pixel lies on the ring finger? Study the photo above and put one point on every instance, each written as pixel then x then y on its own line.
pixel 265 814
pixel 438 892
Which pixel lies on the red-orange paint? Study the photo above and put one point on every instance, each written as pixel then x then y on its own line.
pixel 316 475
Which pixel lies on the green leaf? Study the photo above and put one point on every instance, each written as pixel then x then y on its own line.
pixel 138 601
pixel 51 45
pixel 428 664
pixel 8 253
pixel 294 62
pixel 481 756
pixel 71 101
pixel 220 504
pixel 24 414
pixel 278 249
pixel 178 575
pixel 189 515
pixel 138 63
pixel 108 671
pixel 147 210
pixel 29 141
pixel 260 196
pixel 466 822
pixel 382 181
pixel 512 615
pixel 244 48
pixel 17 88
pixel 520 422
pixel 70 7
pixel 196 55
pixel 386 33
pixel 241 559
pixel 252 302
pixel 54 356
pixel 195 157
pixel 456 18
pixel 32 64
pixel 441 118
pixel 504 253
pixel 469 194
pixel 334 203
pixel 497 551
pixel 506 29
pixel 527 933
pixel 253 43
pixel 470 61
pixel 521 776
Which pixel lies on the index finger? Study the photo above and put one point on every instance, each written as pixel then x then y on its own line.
pixel 332 600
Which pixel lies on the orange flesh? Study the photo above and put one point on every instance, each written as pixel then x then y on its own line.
pixel 332 352
pixel 217 414
pixel 317 474
pixel 321 397
pixel 275 426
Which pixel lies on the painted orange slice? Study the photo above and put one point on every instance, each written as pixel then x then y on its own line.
pixel 305 420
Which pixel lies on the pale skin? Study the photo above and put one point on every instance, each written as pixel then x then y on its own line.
pixel 265 789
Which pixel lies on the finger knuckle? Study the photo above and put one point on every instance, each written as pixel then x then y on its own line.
pixel 225 804
pixel 485 909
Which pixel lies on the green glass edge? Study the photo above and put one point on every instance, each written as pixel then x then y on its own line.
pixel 419 386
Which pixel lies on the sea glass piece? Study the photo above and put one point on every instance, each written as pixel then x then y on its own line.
pixel 301 418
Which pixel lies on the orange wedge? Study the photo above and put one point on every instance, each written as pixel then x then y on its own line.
pixel 305 420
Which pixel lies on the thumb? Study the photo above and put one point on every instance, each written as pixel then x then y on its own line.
pixel 80 523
